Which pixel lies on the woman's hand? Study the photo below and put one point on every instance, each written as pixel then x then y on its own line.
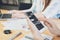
pixel 52 26
pixel 40 16
pixel 35 32
pixel 17 14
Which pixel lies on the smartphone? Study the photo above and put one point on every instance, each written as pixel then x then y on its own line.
pixel 35 21
pixel 5 16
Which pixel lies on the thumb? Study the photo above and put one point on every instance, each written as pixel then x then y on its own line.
pixel 49 23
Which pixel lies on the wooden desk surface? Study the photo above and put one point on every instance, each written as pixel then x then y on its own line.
pixel 14 32
pixel 6 37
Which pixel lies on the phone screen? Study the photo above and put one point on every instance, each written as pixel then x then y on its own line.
pixel 34 20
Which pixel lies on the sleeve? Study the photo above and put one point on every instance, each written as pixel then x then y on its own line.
pixel 52 9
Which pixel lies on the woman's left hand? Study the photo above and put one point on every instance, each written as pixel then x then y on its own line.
pixel 17 14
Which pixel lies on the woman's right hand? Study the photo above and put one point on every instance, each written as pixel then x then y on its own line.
pixel 52 26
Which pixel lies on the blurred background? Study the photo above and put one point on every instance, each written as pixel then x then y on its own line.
pixel 15 4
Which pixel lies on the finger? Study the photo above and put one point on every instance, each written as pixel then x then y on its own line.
pixel 51 23
pixel 42 19
pixel 48 24
pixel 40 16
pixel 51 29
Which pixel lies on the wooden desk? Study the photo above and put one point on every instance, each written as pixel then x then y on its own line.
pixel 6 37
pixel 14 32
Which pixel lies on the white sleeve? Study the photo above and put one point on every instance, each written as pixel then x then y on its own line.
pixel 37 6
pixel 52 9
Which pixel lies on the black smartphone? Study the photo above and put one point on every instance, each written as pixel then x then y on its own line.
pixel 34 20
pixel 5 16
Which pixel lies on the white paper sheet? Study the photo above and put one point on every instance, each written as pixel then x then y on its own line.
pixel 15 24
